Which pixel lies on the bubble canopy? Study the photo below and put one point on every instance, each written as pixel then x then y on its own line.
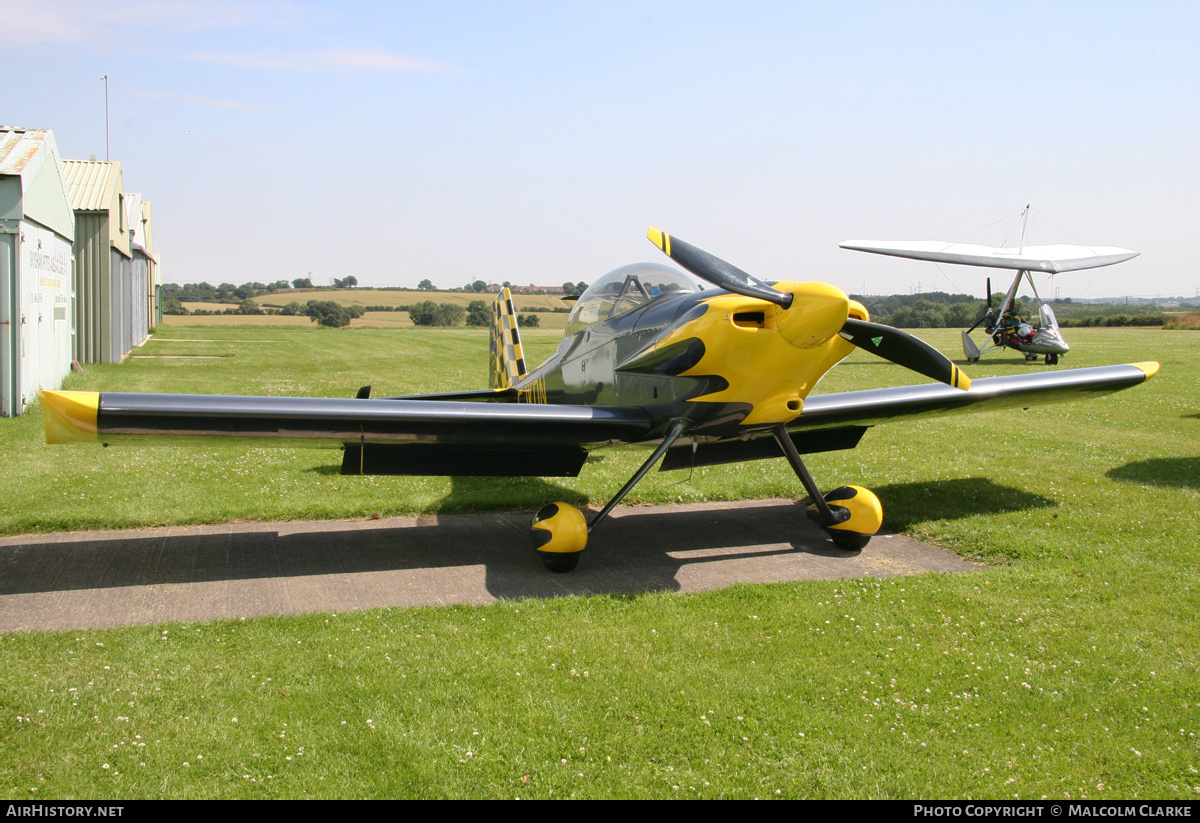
pixel 624 289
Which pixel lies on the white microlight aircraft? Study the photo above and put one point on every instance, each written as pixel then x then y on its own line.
pixel 1001 324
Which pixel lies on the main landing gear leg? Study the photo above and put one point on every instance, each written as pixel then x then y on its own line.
pixel 850 515
pixel 560 531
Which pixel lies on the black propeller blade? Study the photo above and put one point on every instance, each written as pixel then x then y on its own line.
pixel 903 349
pixel 988 312
pixel 715 270
pixel 886 341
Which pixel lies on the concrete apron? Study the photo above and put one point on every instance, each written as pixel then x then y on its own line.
pixel 104 579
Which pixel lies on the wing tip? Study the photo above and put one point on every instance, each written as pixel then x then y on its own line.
pixel 70 416
pixel 1150 367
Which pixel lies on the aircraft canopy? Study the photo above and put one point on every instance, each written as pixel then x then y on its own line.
pixel 625 289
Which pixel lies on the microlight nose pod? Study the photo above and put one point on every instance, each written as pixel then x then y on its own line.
pixel 817 313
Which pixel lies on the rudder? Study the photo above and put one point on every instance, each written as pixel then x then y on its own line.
pixel 508 360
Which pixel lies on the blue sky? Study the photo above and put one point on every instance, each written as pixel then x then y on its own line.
pixel 536 141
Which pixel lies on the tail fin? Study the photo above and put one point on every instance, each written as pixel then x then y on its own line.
pixel 508 361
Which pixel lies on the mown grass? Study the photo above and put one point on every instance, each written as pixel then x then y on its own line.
pixel 1067 669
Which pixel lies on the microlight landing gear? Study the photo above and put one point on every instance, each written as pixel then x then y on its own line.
pixel 560 531
pixel 850 515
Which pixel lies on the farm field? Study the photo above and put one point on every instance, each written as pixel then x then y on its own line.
pixel 370 320
pixel 1067 669
pixel 404 297
pixel 544 305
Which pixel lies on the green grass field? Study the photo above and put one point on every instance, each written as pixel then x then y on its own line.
pixel 1067 669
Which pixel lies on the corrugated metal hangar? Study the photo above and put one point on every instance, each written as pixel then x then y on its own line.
pixel 37 229
pixel 79 278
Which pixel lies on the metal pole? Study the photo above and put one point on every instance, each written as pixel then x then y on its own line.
pixel 107 152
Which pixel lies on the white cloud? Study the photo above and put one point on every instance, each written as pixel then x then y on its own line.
pixel 355 60
pixel 71 21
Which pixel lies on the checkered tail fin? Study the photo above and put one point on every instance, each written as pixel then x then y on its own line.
pixel 508 361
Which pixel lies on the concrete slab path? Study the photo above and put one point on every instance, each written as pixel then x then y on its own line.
pixel 103 579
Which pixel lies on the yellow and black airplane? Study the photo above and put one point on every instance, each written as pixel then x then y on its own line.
pixel 650 355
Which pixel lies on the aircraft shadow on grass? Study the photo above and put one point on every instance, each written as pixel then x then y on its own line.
pixel 1163 472
pixel 912 503
pixel 641 551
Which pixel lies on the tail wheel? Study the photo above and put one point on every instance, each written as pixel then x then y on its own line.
pixel 859 513
pixel 1052 360
pixel 559 533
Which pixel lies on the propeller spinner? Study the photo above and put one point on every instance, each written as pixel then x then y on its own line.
pixel 887 342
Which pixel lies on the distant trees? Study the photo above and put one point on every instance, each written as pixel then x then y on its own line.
pixel 331 314
pixel 423 314
pixel 928 310
pixel 429 313
pixel 1149 319
pixel 478 313
pixel 922 310
pixel 450 314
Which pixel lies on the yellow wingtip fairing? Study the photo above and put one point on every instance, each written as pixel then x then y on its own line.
pixel 70 416
pixel 1150 367
pixel 661 239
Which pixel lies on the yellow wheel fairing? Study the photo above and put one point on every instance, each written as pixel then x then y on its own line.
pixel 559 528
pixel 866 512
pixel 70 416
